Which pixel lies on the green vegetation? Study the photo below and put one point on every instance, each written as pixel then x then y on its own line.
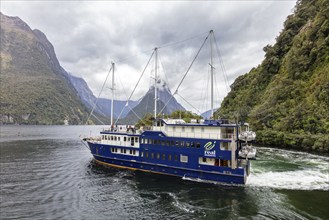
pixel 286 98
pixel 148 119
pixel 34 89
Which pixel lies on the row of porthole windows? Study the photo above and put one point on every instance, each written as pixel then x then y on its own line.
pixel 169 157
pixel 119 138
pixel 123 151
pixel 171 143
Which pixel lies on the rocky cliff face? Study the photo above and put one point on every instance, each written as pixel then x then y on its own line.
pixel 286 98
pixel 34 87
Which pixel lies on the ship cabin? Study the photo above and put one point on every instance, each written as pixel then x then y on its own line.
pixel 174 147
pixel 202 145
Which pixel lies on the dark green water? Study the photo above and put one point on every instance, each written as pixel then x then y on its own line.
pixel 47 173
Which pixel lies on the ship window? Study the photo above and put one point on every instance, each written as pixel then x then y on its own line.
pixel 158 142
pixel 192 144
pixel 153 141
pixel 183 129
pixel 115 138
pixel 152 155
pixel 204 159
pixel 124 138
pixel 198 145
pixel 168 143
pixel 136 139
pixel 120 150
pixel 182 143
pixel 163 143
pixel 187 144
pixel 146 154
pixel 111 138
pixel 158 156
pixel 224 163
pixel 176 158
pixel 169 157
pixel 118 138
pixel 134 152
pixel 163 156
pixel 142 154
pixel 177 143
pixel 174 129
pixel 130 151
pixel 192 129
pixel 128 139
pixel 202 129
pixel 172 143
pixel 183 158
pixel 124 151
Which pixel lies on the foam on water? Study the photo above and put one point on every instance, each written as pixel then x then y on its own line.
pixel 296 180
pixel 310 172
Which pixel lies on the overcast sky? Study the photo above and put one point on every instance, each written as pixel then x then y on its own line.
pixel 88 35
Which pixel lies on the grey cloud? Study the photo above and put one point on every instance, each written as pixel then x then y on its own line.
pixel 87 36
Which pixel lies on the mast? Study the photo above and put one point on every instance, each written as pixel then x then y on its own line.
pixel 112 100
pixel 155 81
pixel 212 73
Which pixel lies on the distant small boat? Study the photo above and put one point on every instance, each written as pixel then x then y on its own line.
pixel 203 150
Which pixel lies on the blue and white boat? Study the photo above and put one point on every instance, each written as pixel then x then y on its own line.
pixel 202 150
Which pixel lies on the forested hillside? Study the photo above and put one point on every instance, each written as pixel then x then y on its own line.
pixel 34 88
pixel 286 98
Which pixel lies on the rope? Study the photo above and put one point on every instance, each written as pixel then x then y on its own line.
pixel 222 65
pixel 188 69
pixel 127 103
pixel 99 96
pixel 189 103
pixel 135 113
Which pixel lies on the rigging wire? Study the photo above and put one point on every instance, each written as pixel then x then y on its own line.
pixel 189 103
pixel 127 103
pixel 188 69
pixel 134 113
pixel 91 113
pixel 221 62
pixel 98 119
pixel 182 41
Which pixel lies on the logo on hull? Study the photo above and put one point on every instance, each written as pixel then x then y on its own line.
pixel 208 149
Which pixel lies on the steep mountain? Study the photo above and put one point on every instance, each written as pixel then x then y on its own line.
pixel 103 107
pixel 286 98
pixel 146 105
pixel 34 88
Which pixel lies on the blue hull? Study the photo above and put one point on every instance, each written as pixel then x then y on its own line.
pixel 183 172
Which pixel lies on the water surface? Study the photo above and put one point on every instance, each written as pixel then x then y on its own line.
pixel 48 173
